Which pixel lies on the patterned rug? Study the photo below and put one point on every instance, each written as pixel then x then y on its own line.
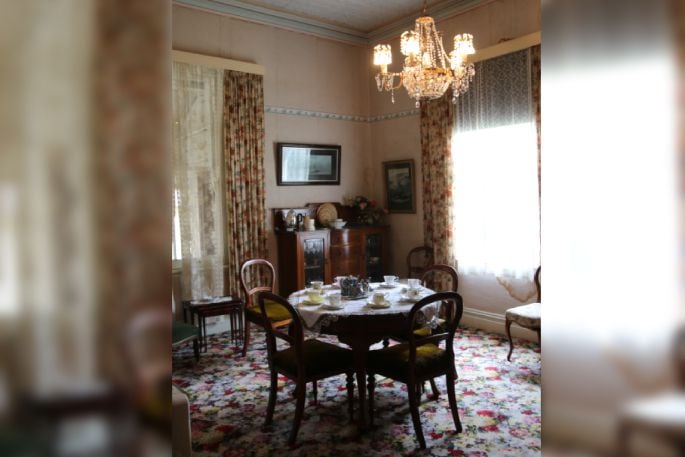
pixel 499 405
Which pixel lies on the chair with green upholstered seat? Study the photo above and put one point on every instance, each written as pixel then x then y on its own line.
pixel 303 361
pixel 257 275
pixel 182 332
pixel 421 358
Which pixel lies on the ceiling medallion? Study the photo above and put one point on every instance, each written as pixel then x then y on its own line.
pixel 426 74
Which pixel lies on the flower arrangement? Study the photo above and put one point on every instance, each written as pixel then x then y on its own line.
pixel 369 213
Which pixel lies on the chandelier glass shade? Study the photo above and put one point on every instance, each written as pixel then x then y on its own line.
pixel 428 70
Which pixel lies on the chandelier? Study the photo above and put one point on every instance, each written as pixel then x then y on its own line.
pixel 428 70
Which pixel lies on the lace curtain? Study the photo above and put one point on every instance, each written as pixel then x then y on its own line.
pixel 495 169
pixel 197 96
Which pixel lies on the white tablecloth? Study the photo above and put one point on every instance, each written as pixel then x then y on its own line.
pixel 315 317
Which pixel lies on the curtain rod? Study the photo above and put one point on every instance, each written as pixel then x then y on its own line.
pixel 216 62
pixel 507 47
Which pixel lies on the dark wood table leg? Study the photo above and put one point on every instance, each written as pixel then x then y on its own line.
pixel 360 348
pixel 204 331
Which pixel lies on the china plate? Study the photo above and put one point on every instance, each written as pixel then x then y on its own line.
pixel 384 285
pixel 384 305
pixel 307 302
pixel 326 213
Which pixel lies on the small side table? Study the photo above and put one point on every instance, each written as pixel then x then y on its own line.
pixel 217 306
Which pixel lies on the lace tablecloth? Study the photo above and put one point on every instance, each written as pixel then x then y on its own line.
pixel 316 317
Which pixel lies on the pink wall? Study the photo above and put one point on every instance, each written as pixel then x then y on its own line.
pixel 302 72
pixel 311 73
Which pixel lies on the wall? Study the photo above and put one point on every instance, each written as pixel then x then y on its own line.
pixel 399 138
pixel 303 72
pixel 320 75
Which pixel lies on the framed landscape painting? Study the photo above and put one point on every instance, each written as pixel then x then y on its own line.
pixel 399 186
pixel 307 164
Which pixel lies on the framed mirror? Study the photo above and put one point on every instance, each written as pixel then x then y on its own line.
pixel 307 164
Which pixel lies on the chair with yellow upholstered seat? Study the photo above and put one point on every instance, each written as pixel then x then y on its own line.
pixel 257 275
pixel 527 316
pixel 421 358
pixel 440 278
pixel 303 361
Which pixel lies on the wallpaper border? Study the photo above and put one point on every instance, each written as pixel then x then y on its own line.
pixel 339 117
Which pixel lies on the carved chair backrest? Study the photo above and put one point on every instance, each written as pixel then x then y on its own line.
pixel 256 275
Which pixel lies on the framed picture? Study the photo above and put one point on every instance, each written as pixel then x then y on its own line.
pixel 307 164
pixel 399 186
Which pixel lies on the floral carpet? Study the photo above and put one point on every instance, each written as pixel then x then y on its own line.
pixel 499 405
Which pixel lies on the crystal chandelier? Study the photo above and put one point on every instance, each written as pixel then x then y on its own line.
pixel 426 74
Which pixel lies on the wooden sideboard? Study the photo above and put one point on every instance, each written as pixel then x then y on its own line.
pixel 323 254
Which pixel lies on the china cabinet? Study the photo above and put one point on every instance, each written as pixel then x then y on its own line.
pixel 323 254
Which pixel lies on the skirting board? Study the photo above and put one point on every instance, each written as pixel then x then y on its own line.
pixel 493 322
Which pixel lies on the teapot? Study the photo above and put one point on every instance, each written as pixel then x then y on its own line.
pixel 351 286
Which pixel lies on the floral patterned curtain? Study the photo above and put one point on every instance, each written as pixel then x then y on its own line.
pixel 244 157
pixel 437 121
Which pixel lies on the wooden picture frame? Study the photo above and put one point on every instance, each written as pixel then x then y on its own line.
pixel 400 188
pixel 307 164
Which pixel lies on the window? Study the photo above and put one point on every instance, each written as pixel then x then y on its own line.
pixel 494 150
pixel 198 242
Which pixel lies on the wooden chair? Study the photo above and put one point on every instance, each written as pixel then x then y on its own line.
pixel 431 278
pixel 303 361
pixel 528 316
pixel 418 260
pixel 276 315
pixel 420 359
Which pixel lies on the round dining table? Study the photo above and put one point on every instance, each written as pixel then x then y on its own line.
pixel 359 324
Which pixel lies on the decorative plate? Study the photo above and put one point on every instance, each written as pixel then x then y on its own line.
pixel 326 213
pixel 384 305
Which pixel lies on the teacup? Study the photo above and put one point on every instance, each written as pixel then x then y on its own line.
pixel 317 285
pixel 378 298
pixel 390 280
pixel 413 293
pixel 314 295
pixel 334 300
pixel 413 283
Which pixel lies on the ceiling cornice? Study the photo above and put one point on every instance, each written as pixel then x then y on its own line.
pixel 281 19
pixel 253 13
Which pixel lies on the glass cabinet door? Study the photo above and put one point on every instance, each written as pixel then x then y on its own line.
pixel 314 260
pixel 374 254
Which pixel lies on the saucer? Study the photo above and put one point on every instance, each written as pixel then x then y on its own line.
pixel 384 285
pixel 308 302
pixel 407 299
pixel 332 307
pixel 384 305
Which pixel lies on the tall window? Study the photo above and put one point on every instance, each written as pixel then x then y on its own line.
pixel 198 217
pixel 494 150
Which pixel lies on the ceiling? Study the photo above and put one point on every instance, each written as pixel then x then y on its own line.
pixel 360 15
pixel 355 21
